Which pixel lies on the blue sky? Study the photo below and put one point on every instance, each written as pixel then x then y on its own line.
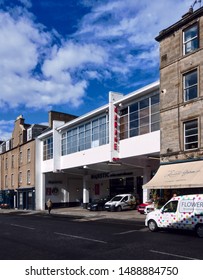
pixel 66 55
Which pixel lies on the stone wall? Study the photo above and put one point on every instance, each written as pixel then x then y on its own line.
pixel 174 111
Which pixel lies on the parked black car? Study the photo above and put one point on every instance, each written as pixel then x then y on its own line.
pixel 97 204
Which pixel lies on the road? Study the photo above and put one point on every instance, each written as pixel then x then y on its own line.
pixel 43 236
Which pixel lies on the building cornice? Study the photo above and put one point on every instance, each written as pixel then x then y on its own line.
pixel 187 18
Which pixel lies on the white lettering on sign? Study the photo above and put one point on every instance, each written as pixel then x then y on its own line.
pixel 191 205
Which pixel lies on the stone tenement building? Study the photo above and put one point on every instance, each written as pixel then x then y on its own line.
pixel 181 106
pixel 18 162
pixel 17 166
pixel 181 83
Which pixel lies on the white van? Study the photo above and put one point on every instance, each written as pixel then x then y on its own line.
pixel 121 202
pixel 181 212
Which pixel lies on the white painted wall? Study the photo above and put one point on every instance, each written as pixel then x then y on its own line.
pixel 47 165
pixel 90 156
pixel 70 189
pixel 140 145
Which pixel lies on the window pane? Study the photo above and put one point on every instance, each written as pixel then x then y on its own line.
pixel 191 79
pixel 133 107
pixel 190 33
pixel 144 121
pixel 144 103
pixel 191 135
pixel 155 108
pixel 124 111
pixel 144 112
pixel 134 116
pixel 48 149
pixel 134 124
pixel 124 127
pixel 155 127
pixel 191 46
pixel 144 129
pixel 191 93
pixel 191 40
pixel 134 132
pixel 123 135
pixel 190 85
pixel 155 99
pixel 155 118
pixel 91 134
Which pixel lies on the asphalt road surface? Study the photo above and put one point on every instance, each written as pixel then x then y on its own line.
pixel 42 237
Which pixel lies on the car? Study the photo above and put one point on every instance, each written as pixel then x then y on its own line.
pixel 4 206
pixel 149 208
pixel 146 207
pixel 121 202
pixel 97 204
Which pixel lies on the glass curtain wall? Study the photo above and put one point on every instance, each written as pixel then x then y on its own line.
pixel 88 135
pixel 140 117
pixel 48 148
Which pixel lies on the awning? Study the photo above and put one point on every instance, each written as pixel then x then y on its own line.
pixel 178 175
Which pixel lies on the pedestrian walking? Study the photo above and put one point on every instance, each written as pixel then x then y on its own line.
pixel 49 205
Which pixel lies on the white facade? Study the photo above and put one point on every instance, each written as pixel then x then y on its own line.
pixel 106 151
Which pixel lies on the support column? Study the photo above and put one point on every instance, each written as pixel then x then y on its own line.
pixel 40 192
pixel 65 195
pixel 43 192
pixel 85 192
pixel 15 199
pixel 146 179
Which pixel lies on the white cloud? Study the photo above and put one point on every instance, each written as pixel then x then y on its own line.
pixel 114 40
pixel 71 56
pixel 22 44
pixel 6 128
pixel 127 29
pixel 25 47
pixel 18 54
pixel 93 75
pixel 26 3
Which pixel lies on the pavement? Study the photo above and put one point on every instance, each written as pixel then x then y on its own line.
pixel 128 215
